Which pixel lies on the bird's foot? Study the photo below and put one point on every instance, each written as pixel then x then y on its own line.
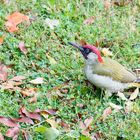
pixel 107 94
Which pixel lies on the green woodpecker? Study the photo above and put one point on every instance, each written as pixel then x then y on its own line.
pixel 105 72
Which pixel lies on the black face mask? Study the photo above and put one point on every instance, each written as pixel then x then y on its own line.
pixel 84 51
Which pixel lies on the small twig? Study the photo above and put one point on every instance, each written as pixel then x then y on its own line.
pixel 35 125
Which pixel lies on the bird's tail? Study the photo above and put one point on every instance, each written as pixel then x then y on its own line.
pixel 135 84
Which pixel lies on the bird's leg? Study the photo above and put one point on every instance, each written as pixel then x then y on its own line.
pixel 107 94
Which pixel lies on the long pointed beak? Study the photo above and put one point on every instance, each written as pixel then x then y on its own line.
pixel 76 46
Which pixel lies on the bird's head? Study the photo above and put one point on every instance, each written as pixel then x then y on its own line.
pixel 87 51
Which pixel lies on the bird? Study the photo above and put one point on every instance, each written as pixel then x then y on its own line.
pixel 104 72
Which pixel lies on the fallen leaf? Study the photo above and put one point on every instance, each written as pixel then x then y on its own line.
pixel 57 92
pixel 84 125
pixel 128 106
pixel 122 96
pixel 49 111
pixel 11 85
pixel 11 27
pixel 1 136
pixel 36 81
pixel 83 42
pixel 33 115
pixel 7 86
pixel 1 39
pixel 3 72
pixel 88 122
pixel 52 60
pixel 15 137
pixel 121 2
pixel 107 4
pixel 134 94
pixel 46 113
pixel 106 52
pixel 26 135
pixel 12 132
pixel 8 122
pixel 106 112
pixel 33 99
pixel 51 23
pixel 85 133
pixel 52 111
pixel 23 119
pixel 22 47
pixel 64 125
pixel 89 21
pixel 14 19
pixel 116 107
pixel 18 78
pixel 29 91
pixel 52 122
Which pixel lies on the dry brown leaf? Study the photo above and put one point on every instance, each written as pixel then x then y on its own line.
pixel 89 21
pixel 18 78
pixel 107 4
pixel 128 106
pixel 82 125
pixel 122 96
pixel 1 40
pixel 33 115
pixel 88 121
pixel 52 122
pixel 57 92
pixel 64 125
pixel 33 99
pixel 116 107
pixel 23 119
pixel 14 19
pixel 21 46
pixel 15 137
pixel 85 132
pixel 25 134
pixel 106 52
pixel 106 112
pixel 1 136
pixel 49 111
pixel 36 81
pixel 3 72
pixel 83 42
pixel 29 91
pixel 11 132
pixel 11 85
pixel 8 122
pixel 134 94
pixel 86 124
pixel 122 2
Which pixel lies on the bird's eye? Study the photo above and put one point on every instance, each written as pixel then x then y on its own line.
pixel 87 51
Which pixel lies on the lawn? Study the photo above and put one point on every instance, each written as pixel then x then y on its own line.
pixel 65 88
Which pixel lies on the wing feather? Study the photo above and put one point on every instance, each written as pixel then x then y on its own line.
pixel 112 68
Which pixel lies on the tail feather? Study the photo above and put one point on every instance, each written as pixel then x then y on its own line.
pixel 134 85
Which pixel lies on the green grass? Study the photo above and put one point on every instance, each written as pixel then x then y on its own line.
pixel 118 28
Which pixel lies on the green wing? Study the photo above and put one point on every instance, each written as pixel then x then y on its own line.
pixel 112 68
